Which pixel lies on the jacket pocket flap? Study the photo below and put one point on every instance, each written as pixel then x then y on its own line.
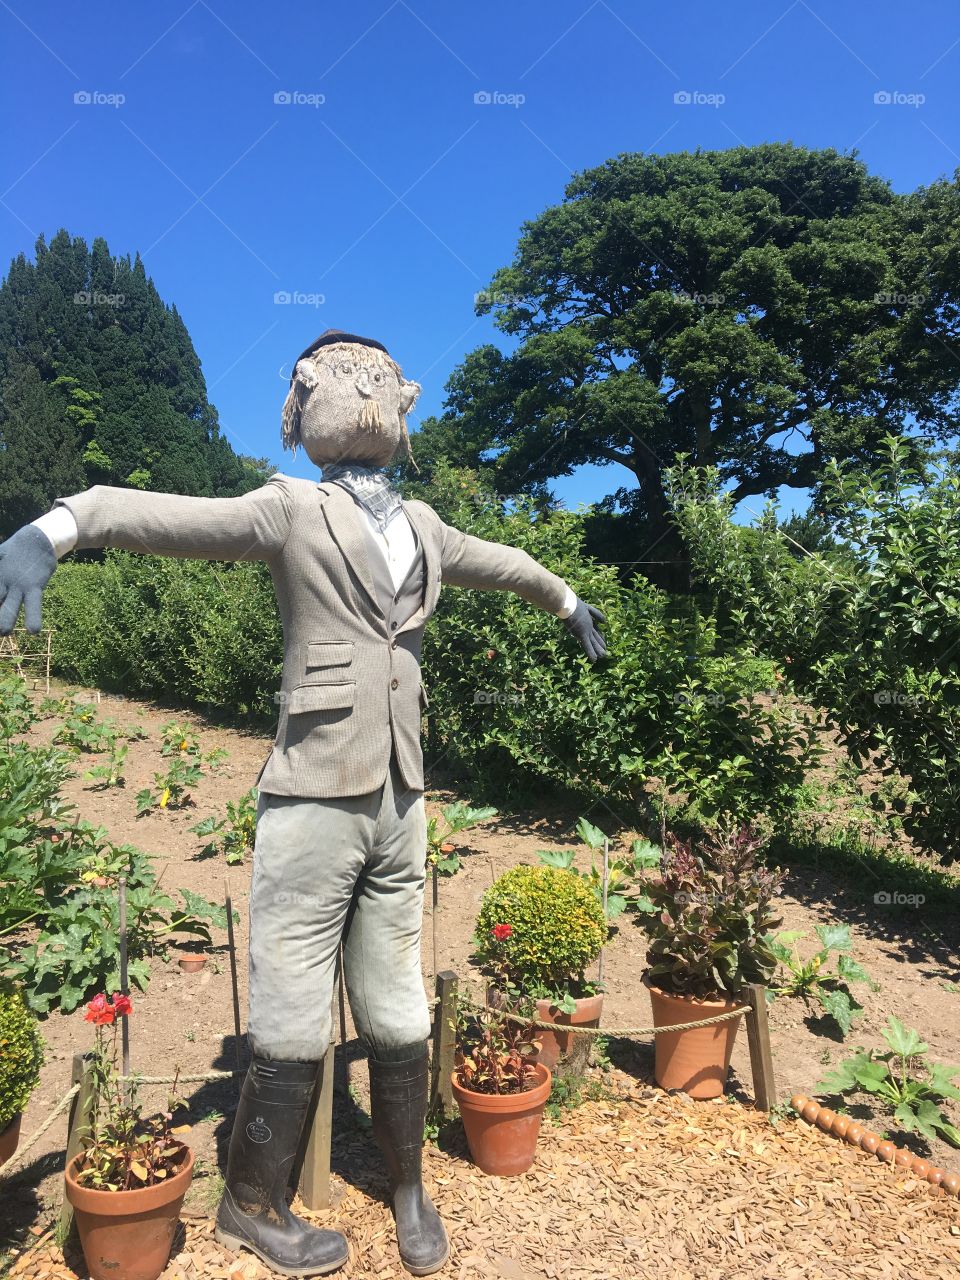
pixel 321 697
pixel 329 653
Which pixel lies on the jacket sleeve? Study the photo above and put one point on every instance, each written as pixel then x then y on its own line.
pixel 252 527
pixel 467 561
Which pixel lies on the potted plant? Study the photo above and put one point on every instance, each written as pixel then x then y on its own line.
pixel 21 1057
pixel 500 1087
pixel 127 1184
pixel 539 928
pixel 708 940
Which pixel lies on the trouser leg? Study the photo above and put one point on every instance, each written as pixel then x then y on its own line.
pixel 385 985
pixel 306 860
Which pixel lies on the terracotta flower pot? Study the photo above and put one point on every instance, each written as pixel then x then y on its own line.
pixel 561 1046
pixel 10 1138
pixel 127 1235
pixel 695 1061
pixel 502 1128
pixel 191 964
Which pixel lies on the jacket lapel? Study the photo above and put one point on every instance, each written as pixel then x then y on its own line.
pixel 431 559
pixel 343 520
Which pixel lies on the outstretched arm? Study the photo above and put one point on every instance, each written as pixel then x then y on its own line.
pixel 252 527
pixel 493 566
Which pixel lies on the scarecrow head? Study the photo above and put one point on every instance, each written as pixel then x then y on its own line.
pixel 348 402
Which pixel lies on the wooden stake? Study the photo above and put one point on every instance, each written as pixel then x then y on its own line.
pixel 433 916
pixel 606 881
pixel 82 1111
pixel 231 947
pixel 444 1042
pixel 124 1027
pixel 761 1055
pixel 313 1159
pixel 344 1059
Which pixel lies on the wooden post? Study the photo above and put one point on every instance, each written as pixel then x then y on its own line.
pixel 444 1043
pixel 124 1026
pixel 313 1159
pixel 761 1056
pixel 81 1118
pixel 232 949
pixel 606 883
pixel 344 1055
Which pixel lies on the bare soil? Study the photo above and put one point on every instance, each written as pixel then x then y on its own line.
pixel 910 950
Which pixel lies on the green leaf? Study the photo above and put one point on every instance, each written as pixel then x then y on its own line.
pixel 590 834
pixel 840 1006
pixel 562 858
pixel 835 937
pixel 850 971
pixel 903 1040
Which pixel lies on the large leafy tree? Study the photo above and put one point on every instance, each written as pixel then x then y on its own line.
pixel 759 310
pixel 100 383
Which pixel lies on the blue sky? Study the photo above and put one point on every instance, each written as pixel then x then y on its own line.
pixel 378 193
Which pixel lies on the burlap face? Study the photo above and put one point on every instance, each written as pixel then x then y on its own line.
pixel 348 403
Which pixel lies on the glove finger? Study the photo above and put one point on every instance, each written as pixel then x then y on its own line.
pixel 596 614
pixel 599 645
pixel 33 610
pixel 9 610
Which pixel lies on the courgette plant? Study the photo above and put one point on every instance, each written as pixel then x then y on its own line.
pixel 903 1077
pixel 812 979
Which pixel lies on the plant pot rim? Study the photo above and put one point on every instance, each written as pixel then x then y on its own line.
pixel 506 1101
pixel 140 1200
pixel 17 1115
pixel 720 1001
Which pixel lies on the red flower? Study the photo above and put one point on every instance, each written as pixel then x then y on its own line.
pixel 502 931
pixel 99 1011
pixel 122 1004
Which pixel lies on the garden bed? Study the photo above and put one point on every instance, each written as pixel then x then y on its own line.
pixel 653 1185
pixel 910 950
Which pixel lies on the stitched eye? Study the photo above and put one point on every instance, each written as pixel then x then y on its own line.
pixel 346 367
pixel 378 378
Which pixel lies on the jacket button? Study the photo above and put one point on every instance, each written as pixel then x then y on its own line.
pixel 394 625
pixel 393 644
pixel 394 683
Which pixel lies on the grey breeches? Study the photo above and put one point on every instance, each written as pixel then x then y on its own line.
pixel 326 870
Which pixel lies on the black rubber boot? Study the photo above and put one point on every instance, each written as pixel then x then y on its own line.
pixel 253 1213
pixel 398 1107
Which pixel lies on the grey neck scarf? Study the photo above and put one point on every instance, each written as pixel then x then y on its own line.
pixel 368 486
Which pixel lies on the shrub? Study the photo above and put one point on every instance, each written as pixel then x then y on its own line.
pixel 21 1055
pixel 556 924
pixel 715 912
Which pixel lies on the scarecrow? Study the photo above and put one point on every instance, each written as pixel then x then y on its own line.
pixel 341 831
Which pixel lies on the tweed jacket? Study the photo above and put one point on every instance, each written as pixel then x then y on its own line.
pixel 351 691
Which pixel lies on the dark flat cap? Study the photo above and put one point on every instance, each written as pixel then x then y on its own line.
pixel 329 337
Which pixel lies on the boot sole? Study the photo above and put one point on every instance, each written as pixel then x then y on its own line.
pixel 237 1243
pixel 426 1271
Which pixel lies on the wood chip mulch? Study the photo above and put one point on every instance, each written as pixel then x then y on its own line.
pixel 652 1185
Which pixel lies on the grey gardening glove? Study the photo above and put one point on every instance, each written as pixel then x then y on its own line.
pixel 583 624
pixel 27 562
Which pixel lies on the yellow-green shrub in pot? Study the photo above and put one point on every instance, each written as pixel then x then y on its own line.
pixel 21 1057
pixel 538 930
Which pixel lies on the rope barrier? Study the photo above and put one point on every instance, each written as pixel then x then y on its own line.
pixel 37 1134
pixel 623 1033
